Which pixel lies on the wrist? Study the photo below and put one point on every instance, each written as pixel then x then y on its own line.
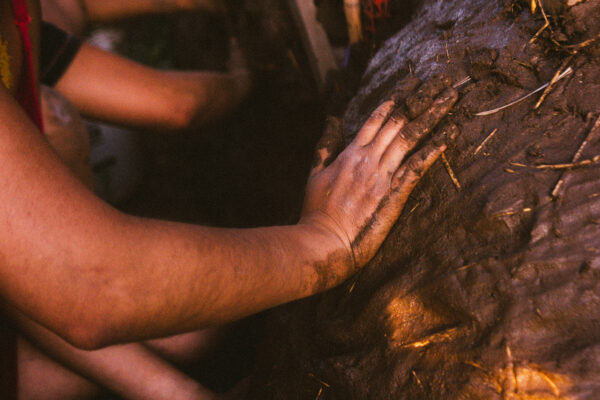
pixel 332 261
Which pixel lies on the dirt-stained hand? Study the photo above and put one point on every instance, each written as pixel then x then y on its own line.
pixel 359 196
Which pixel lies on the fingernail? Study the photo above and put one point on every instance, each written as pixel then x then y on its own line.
pixel 445 134
pixel 399 114
pixel 447 95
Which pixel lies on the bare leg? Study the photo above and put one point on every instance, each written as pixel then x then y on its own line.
pixel 186 348
pixel 41 378
pixel 130 371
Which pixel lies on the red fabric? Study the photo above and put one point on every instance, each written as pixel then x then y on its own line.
pixel 27 96
pixel 374 10
pixel 27 93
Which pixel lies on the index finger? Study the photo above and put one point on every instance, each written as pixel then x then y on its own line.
pixel 374 123
pixel 410 135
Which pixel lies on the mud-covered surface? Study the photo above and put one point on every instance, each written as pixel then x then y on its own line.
pixel 490 291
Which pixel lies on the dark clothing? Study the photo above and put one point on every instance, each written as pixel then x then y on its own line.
pixel 58 49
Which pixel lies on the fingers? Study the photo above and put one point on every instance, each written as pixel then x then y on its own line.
pixel 405 88
pixel 416 103
pixel 329 145
pixel 394 124
pixel 411 172
pixel 374 123
pixel 415 167
pixel 420 100
pixel 403 182
pixel 415 130
pixel 445 134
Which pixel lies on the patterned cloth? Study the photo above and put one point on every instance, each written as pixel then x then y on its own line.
pixel 5 74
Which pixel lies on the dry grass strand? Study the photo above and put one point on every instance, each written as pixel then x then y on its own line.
pixel 450 171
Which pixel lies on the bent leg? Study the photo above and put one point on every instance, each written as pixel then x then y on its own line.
pixel 186 348
pixel 41 378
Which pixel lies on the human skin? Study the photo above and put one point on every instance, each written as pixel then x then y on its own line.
pixel 74 15
pixel 142 96
pixel 130 370
pixel 107 10
pixel 147 97
pixel 124 370
pixel 116 278
pixel 141 92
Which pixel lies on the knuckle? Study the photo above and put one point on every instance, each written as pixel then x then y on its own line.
pixel 378 114
pixel 403 136
pixel 411 132
pixel 415 166
pixel 398 118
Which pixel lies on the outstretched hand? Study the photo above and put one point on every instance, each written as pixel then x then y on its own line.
pixel 358 197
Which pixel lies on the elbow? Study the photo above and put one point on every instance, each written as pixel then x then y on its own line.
pixel 84 338
pixel 86 334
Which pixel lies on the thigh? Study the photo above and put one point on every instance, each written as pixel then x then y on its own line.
pixel 40 378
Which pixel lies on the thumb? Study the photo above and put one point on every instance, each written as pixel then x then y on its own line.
pixel 329 145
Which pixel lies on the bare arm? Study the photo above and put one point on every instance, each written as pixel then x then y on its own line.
pixel 96 276
pixel 109 87
pixel 74 15
pixel 74 264
pixel 103 10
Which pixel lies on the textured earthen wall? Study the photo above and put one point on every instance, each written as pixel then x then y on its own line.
pixel 490 291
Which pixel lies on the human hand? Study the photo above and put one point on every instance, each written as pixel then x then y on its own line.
pixel 360 195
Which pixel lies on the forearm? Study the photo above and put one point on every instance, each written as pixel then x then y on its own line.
pixel 130 371
pixel 96 276
pixel 102 10
pixel 71 262
pixel 149 278
pixel 238 273
pixel 203 96
pixel 141 96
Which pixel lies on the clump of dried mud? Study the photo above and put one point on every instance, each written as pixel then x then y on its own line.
pixel 491 291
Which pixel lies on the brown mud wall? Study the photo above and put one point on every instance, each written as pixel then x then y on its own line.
pixel 490 291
